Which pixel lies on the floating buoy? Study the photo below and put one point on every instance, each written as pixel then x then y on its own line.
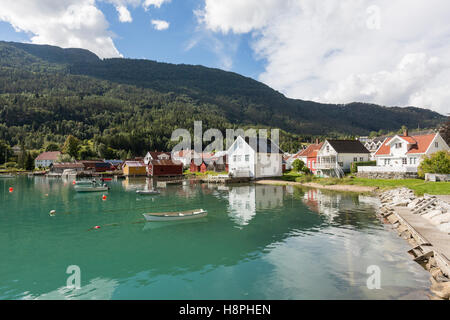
pixel 97 227
pixel 74 182
pixel 53 212
pixel 104 198
pixel 11 190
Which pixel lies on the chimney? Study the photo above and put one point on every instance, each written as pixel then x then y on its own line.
pixel 317 141
pixel 405 132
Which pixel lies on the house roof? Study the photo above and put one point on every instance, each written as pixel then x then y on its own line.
pixel 68 165
pixel 416 144
pixel 348 146
pixel 310 151
pixel 263 145
pixel 53 155
pixel 134 164
pixel 156 154
pixel 164 163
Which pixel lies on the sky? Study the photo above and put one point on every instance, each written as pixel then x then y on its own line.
pixel 394 53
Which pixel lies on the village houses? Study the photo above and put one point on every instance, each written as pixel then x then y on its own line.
pixel 255 158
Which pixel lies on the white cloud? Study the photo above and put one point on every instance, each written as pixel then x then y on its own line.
pixel 160 25
pixel 65 23
pixel 124 14
pixel 381 51
pixel 156 3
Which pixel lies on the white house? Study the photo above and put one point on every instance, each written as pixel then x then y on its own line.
pixel 336 156
pixel 154 155
pixel 405 151
pixel 255 158
pixel 46 159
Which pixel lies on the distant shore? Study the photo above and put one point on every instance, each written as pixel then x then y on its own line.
pixel 337 187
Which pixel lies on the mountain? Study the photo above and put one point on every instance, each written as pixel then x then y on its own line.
pixel 54 92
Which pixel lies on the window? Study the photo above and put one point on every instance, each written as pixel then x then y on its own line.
pixel 355 159
pixel 361 159
pixel 239 158
pixel 412 160
pixel 247 158
pixel 436 144
pixel 234 158
pixel 328 148
pixel 404 161
pixel 398 145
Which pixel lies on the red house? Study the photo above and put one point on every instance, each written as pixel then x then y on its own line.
pixel 309 155
pixel 164 168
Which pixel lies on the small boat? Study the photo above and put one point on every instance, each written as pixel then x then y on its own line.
pixel 91 189
pixel 84 183
pixel 6 176
pixel 148 192
pixel 176 216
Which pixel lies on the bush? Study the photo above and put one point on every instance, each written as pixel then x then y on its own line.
pixel 438 162
pixel 11 165
pixel 298 165
pixel 355 165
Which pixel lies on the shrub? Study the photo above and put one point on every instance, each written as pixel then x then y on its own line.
pixel 298 165
pixel 11 165
pixel 438 162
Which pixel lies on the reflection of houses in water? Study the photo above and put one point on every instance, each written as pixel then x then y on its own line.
pixel 332 204
pixel 131 184
pixel 245 200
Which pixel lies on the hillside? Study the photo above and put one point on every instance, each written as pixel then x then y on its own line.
pixel 47 92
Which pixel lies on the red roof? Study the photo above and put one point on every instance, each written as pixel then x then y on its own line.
pixel 310 151
pixel 53 155
pixel 416 144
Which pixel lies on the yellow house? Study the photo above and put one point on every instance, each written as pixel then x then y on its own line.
pixel 134 168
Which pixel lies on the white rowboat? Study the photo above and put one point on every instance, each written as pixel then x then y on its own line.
pixel 148 192
pixel 91 189
pixel 176 216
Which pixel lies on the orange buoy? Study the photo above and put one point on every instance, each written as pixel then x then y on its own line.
pixel 11 190
pixel 104 197
pixel 74 182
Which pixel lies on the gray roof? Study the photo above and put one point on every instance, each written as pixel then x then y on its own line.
pixel 348 146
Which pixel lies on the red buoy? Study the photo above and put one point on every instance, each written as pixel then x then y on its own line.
pixel 74 182
pixel 97 227
pixel 11 190
pixel 104 198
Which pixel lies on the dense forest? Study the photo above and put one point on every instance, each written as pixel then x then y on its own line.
pixel 119 108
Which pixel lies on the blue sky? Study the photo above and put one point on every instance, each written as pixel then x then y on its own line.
pixel 331 51
pixel 140 40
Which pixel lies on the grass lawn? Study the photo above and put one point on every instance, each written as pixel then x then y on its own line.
pixel 207 173
pixel 419 186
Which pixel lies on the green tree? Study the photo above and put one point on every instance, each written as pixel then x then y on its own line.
pixel 438 162
pixel 51 147
pixel 29 162
pixel 5 151
pixel 298 165
pixel 71 146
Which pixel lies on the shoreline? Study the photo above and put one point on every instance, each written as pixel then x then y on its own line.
pixel 336 187
pixel 424 222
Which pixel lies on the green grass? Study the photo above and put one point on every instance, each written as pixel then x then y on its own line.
pixel 417 185
pixel 291 175
pixel 207 173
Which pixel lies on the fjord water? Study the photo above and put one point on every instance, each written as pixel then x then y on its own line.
pixel 258 242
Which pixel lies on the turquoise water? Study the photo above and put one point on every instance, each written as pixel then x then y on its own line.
pixel 258 242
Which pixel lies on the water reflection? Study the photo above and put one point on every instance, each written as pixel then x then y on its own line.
pixel 256 240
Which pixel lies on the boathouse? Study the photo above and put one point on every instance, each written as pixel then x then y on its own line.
pixel 134 168
pixel 164 168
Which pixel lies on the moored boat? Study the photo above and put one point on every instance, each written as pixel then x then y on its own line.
pixel 91 188
pixel 148 192
pixel 6 176
pixel 176 216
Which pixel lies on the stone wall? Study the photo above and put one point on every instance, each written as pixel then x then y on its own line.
pixel 388 175
pixel 437 177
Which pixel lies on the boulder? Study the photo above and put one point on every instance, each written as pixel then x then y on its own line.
pixel 441 289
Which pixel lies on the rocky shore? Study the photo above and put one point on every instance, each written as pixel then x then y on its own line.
pixel 425 223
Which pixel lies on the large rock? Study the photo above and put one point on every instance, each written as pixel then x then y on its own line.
pixel 441 289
